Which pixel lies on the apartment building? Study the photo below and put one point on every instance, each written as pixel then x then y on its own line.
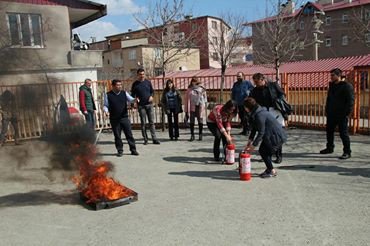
pixel 199 31
pixel 337 33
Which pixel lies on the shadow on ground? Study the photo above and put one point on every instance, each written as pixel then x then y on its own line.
pixel 362 172
pixel 187 159
pixel 221 174
pixel 39 197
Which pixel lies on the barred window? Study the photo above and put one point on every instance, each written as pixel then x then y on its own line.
pixel 25 30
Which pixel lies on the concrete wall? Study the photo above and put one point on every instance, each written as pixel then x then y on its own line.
pixel 56 38
pixel 59 76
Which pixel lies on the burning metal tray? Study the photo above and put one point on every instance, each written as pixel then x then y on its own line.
pixel 110 204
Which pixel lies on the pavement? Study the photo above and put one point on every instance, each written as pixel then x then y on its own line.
pixel 186 200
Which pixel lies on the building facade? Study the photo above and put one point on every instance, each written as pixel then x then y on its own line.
pixel 333 21
pixel 36 42
pixel 197 30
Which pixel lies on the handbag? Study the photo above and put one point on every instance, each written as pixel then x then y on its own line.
pixel 283 106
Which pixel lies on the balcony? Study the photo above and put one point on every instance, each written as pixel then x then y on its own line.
pixel 85 58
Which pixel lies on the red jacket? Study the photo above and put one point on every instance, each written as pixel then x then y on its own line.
pixel 221 119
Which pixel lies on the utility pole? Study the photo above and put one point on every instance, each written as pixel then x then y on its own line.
pixel 317 22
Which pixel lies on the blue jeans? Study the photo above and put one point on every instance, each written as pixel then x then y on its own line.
pixel 144 112
pixel 90 122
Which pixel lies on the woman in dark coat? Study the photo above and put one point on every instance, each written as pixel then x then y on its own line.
pixel 269 131
pixel 172 106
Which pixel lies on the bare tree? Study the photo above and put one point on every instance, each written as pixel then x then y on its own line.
pixel 361 24
pixel 162 23
pixel 224 41
pixel 277 39
pixel 169 30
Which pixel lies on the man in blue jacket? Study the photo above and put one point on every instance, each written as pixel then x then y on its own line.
pixel 240 91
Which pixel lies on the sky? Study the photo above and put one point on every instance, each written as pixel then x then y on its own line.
pixel 120 14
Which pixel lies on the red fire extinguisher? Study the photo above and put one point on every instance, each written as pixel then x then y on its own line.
pixel 245 166
pixel 230 154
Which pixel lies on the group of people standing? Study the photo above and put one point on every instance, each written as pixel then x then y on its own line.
pixel 255 103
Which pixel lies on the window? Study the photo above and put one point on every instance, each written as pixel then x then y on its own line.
pixel 214 41
pixel 344 18
pixel 367 37
pixel 301 25
pixel 215 56
pixel 345 40
pixel 133 72
pixel 328 20
pixel 327 42
pixel 157 53
pixel 158 71
pixel 132 55
pixel 367 15
pixel 194 26
pixel 25 30
pixel 214 25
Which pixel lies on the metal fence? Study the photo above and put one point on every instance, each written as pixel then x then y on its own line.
pixel 38 105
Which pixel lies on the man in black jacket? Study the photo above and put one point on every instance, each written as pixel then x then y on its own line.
pixel 265 93
pixel 142 90
pixel 339 106
pixel 115 106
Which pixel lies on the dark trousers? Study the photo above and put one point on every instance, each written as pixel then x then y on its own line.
pixel 144 112
pixel 243 118
pixel 193 115
pixel 342 124
pixel 173 123
pixel 218 136
pixel 4 128
pixel 117 127
pixel 266 154
pixel 90 122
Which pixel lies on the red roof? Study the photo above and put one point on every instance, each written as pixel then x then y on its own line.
pixel 324 65
pixel 323 7
pixel 316 72
pixel 345 4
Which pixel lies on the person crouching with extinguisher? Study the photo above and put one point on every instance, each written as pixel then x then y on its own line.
pixel 269 131
pixel 219 124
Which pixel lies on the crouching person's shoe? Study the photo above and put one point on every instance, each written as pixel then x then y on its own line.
pixel 326 151
pixel 134 152
pixel 345 156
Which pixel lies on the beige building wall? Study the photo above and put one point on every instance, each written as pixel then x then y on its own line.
pixel 54 60
pixel 143 56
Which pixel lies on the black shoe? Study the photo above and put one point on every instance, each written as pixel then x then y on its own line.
pixel 120 153
pixel 192 138
pixel 134 152
pixel 145 141
pixel 171 138
pixel 278 160
pixel 326 151
pixel 176 138
pixel 200 138
pixel 345 156
pixel 156 142
pixel 268 174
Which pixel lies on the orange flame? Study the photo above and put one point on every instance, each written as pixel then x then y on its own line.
pixel 92 180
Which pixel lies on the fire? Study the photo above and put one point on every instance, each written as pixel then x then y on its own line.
pixel 93 181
